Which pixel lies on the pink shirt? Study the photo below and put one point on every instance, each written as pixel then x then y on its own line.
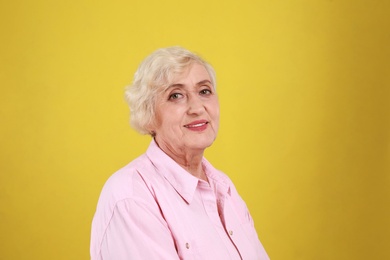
pixel 154 209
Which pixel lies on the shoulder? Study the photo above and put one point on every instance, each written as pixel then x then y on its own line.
pixel 133 182
pixel 130 185
pixel 128 182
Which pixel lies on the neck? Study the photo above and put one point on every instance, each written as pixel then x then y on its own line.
pixel 188 159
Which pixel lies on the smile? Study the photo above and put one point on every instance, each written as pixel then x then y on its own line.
pixel 200 125
pixel 196 125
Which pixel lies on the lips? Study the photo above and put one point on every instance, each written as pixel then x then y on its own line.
pixel 197 125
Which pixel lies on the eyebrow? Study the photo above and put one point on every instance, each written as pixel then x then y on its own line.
pixel 182 85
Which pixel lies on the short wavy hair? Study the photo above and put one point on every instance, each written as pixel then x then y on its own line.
pixel 153 77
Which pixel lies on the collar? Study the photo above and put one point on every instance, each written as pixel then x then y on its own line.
pixel 181 180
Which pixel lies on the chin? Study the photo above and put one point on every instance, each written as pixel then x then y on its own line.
pixel 202 144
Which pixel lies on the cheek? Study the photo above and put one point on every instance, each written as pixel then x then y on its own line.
pixel 215 110
pixel 217 125
pixel 214 114
pixel 170 123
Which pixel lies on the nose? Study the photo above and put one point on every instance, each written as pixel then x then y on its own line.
pixel 195 105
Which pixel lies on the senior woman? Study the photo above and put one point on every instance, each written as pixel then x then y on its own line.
pixel 171 203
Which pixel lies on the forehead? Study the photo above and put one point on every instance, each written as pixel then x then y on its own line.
pixel 191 74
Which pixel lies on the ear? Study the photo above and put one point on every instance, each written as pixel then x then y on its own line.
pixel 151 128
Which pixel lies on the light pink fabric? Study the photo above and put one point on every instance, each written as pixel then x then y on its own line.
pixel 154 209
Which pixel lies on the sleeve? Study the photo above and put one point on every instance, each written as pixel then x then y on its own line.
pixel 137 230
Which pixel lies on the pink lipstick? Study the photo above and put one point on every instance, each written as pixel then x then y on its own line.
pixel 198 125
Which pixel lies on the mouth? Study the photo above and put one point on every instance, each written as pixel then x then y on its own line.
pixel 197 124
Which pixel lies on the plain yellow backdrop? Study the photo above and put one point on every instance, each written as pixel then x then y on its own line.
pixel 305 125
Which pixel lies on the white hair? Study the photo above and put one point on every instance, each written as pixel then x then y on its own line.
pixel 152 77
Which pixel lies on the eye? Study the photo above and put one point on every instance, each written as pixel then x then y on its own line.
pixel 175 96
pixel 205 91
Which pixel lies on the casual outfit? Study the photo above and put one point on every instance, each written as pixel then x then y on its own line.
pixel 154 209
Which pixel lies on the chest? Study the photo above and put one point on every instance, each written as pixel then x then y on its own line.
pixel 207 227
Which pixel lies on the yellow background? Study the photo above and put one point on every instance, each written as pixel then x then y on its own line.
pixel 305 125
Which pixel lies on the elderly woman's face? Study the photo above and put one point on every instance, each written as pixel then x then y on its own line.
pixel 187 113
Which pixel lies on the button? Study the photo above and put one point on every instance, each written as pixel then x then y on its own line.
pixel 187 246
pixel 231 232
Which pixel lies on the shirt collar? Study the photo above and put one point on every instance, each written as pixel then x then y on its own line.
pixel 220 182
pixel 182 181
